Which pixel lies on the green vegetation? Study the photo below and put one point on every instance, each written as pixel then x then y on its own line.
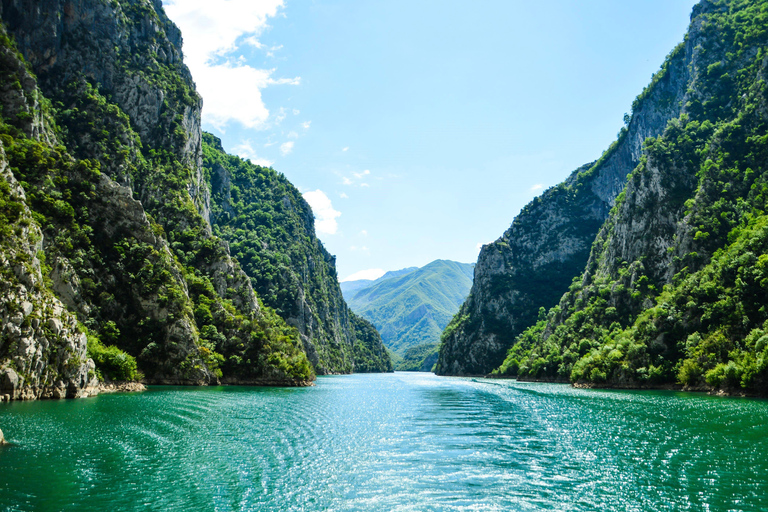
pixel 157 293
pixel 419 358
pixel 686 303
pixel 412 308
pixel 270 230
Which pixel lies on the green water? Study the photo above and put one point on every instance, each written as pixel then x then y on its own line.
pixel 387 442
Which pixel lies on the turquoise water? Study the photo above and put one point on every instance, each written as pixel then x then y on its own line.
pixel 387 442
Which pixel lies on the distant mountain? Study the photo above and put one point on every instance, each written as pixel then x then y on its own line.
pixel 349 288
pixel 411 306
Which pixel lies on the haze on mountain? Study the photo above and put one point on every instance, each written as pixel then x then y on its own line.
pixel 411 307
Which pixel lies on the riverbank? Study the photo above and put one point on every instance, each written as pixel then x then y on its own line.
pixel 632 387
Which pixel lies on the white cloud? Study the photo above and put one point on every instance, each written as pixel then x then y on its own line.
pixel 536 187
pixel 361 249
pixel 213 32
pixel 306 124
pixel 280 116
pixel 364 232
pixel 292 135
pixel 245 150
pixel 325 215
pixel 356 178
pixel 296 111
pixel 286 147
pixel 345 149
pixel 343 196
pixel 371 274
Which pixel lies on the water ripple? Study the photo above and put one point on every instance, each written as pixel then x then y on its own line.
pixel 387 442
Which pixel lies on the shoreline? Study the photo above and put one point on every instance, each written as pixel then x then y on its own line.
pixel 617 387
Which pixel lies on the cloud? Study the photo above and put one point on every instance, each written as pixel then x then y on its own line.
pixel 292 135
pixel 306 124
pixel 356 179
pixel 245 150
pixel 213 33
pixel 345 149
pixel 370 274
pixel 364 232
pixel 361 249
pixel 343 196
pixel 286 147
pixel 325 215
pixel 296 111
pixel 280 116
pixel 536 187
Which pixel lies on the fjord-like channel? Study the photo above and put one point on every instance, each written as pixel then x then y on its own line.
pixel 387 442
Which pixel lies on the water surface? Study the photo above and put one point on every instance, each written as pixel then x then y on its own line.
pixel 386 442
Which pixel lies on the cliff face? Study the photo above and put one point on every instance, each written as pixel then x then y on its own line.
pixel 531 265
pixel 101 126
pixel 105 141
pixel 270 229
pixel 674 288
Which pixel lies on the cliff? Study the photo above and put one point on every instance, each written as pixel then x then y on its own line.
pixel 104 158
pixel 673 291
pixel 531 265
pixel 270 229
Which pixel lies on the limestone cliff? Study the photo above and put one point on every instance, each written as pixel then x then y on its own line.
pixel 674 288
pixel 108 150
pixel 532 263
pixel 271 231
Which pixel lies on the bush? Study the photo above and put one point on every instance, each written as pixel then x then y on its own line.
pixel 112 363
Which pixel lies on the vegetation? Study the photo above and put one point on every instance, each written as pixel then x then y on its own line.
pixel 270 230
pixel 412 308
pixel 687 304
pixel 419 358
pixel 144 278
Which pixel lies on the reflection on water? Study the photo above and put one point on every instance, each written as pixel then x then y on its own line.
pixel 387 442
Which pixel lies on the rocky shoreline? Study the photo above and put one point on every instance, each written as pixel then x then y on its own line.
pixel 615 387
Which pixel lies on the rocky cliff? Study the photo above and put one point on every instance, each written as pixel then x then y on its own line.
pixel 531 265
pixel 673 291
pixel 270 229
pixel 101 131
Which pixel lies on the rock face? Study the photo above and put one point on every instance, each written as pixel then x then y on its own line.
pixel 269 220
pixel 105 141
pixel 42 351
pixel 531 265
pixel 673 291
pixel 114 185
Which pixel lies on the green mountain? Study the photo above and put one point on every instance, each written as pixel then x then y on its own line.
pixel 115 252
pixel 671 287
pixel 349 287
pixel 411 307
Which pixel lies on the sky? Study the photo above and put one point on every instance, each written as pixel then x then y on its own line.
pixel 417 130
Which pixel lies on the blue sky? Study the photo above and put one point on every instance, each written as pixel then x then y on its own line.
pixel 417 130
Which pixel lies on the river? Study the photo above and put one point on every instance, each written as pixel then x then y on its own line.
pixel 402 441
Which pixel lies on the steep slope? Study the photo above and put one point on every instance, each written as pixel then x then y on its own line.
pixel 270 230
pixel 675 287
pixel 531 265
pixel 413 307
pixel 111 170
pixel 349 287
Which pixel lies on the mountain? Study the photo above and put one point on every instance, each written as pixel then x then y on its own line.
pixel 116 262
pixel 348 287
pixel 411 307
pixel 261 215
pixel 669 288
